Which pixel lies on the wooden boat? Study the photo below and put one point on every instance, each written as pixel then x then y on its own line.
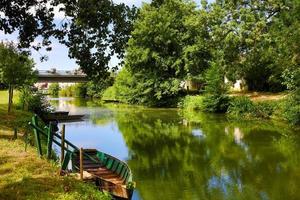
pixel 62 116
pixel 111 174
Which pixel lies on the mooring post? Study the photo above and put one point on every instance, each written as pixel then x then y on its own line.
pixel 62 155
pixel 26 139
pixel 50 139
pixel 15 133
pixel 81 163
pixel 37 136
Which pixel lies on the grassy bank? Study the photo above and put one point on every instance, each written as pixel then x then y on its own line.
pixel 252 106
pixel 26 176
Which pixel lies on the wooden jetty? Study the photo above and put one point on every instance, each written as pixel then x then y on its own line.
pixel 107 172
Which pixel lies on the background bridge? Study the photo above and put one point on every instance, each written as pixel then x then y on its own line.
pixel 61 76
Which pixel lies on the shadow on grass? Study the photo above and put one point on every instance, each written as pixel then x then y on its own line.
pixel 33 188
pixel 6 137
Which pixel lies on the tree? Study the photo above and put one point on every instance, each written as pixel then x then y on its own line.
pixel 31 18
pixel 242 30
pixel 168 45
pixel 16 69
pixel 93 30
pixel 97 31
pixel 54 89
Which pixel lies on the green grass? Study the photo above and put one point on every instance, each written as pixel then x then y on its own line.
pixel 26 176
pixel 4 97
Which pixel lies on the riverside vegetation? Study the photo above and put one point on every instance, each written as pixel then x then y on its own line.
pixel 174 41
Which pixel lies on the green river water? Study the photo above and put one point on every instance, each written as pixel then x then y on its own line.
pixel 189 155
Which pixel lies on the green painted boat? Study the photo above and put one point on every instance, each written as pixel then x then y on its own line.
pixel 111 174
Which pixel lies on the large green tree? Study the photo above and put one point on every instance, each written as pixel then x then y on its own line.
pixel 168 45
pixel 244 41
pixel 16 69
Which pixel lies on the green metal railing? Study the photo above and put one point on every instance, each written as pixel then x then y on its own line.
pixel 55 138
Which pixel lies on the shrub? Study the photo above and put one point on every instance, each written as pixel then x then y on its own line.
pixel 80 90
pixel 243 107
pixel 68 91
pixel 240 107
pixel 216 103
pixel 216 98
pixel 109 94
pixel 264 109
pixel 289 109
pixel 54 89
pixel 192 103
pixel 34 101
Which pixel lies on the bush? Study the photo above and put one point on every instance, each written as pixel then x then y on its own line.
pixel 78 90
pixel 216 98
pixel 289 110
pixel 216 103
pixel 191 103
pixel 264 109
pixel 243 107
pixel 54 89
pixel 34 101
pixel 68 91
pixel 240 107
pixel 110 94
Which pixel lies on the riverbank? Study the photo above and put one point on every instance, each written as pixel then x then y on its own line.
pixel 26 176
pixel 248 106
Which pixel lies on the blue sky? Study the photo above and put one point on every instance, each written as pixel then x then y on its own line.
pixel 58 57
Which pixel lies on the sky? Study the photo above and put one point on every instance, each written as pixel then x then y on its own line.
pixel 58 57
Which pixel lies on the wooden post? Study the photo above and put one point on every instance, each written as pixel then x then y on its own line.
pixel 26 140
pixel 37 136
pixel 15 133
pixel 62 155
pixel 81 163
pixel 50 139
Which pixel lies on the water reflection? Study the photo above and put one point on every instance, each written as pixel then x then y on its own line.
pixel 177 155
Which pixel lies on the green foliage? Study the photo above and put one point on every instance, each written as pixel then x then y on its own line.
pixel 289 109
pixel 215 99
pixel 240 107
pixel 125 88
pixel 98 30
pixel 77 90
pixel 68 91
pixel 286 109
pixel 18 16
pixel 216 103
pixel 81 90
pixel 192 103
pixel 168 45
pixel 16 69
pixel 34 101
pixel 110 94
pixel 54 89
pixel 243 107
pixel 214 78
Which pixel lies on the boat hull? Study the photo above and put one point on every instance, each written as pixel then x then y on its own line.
pixel 110 174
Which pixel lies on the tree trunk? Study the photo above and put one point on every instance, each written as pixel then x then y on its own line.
pixel 10 97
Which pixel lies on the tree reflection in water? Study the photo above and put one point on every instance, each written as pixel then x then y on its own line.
pixel 200 156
